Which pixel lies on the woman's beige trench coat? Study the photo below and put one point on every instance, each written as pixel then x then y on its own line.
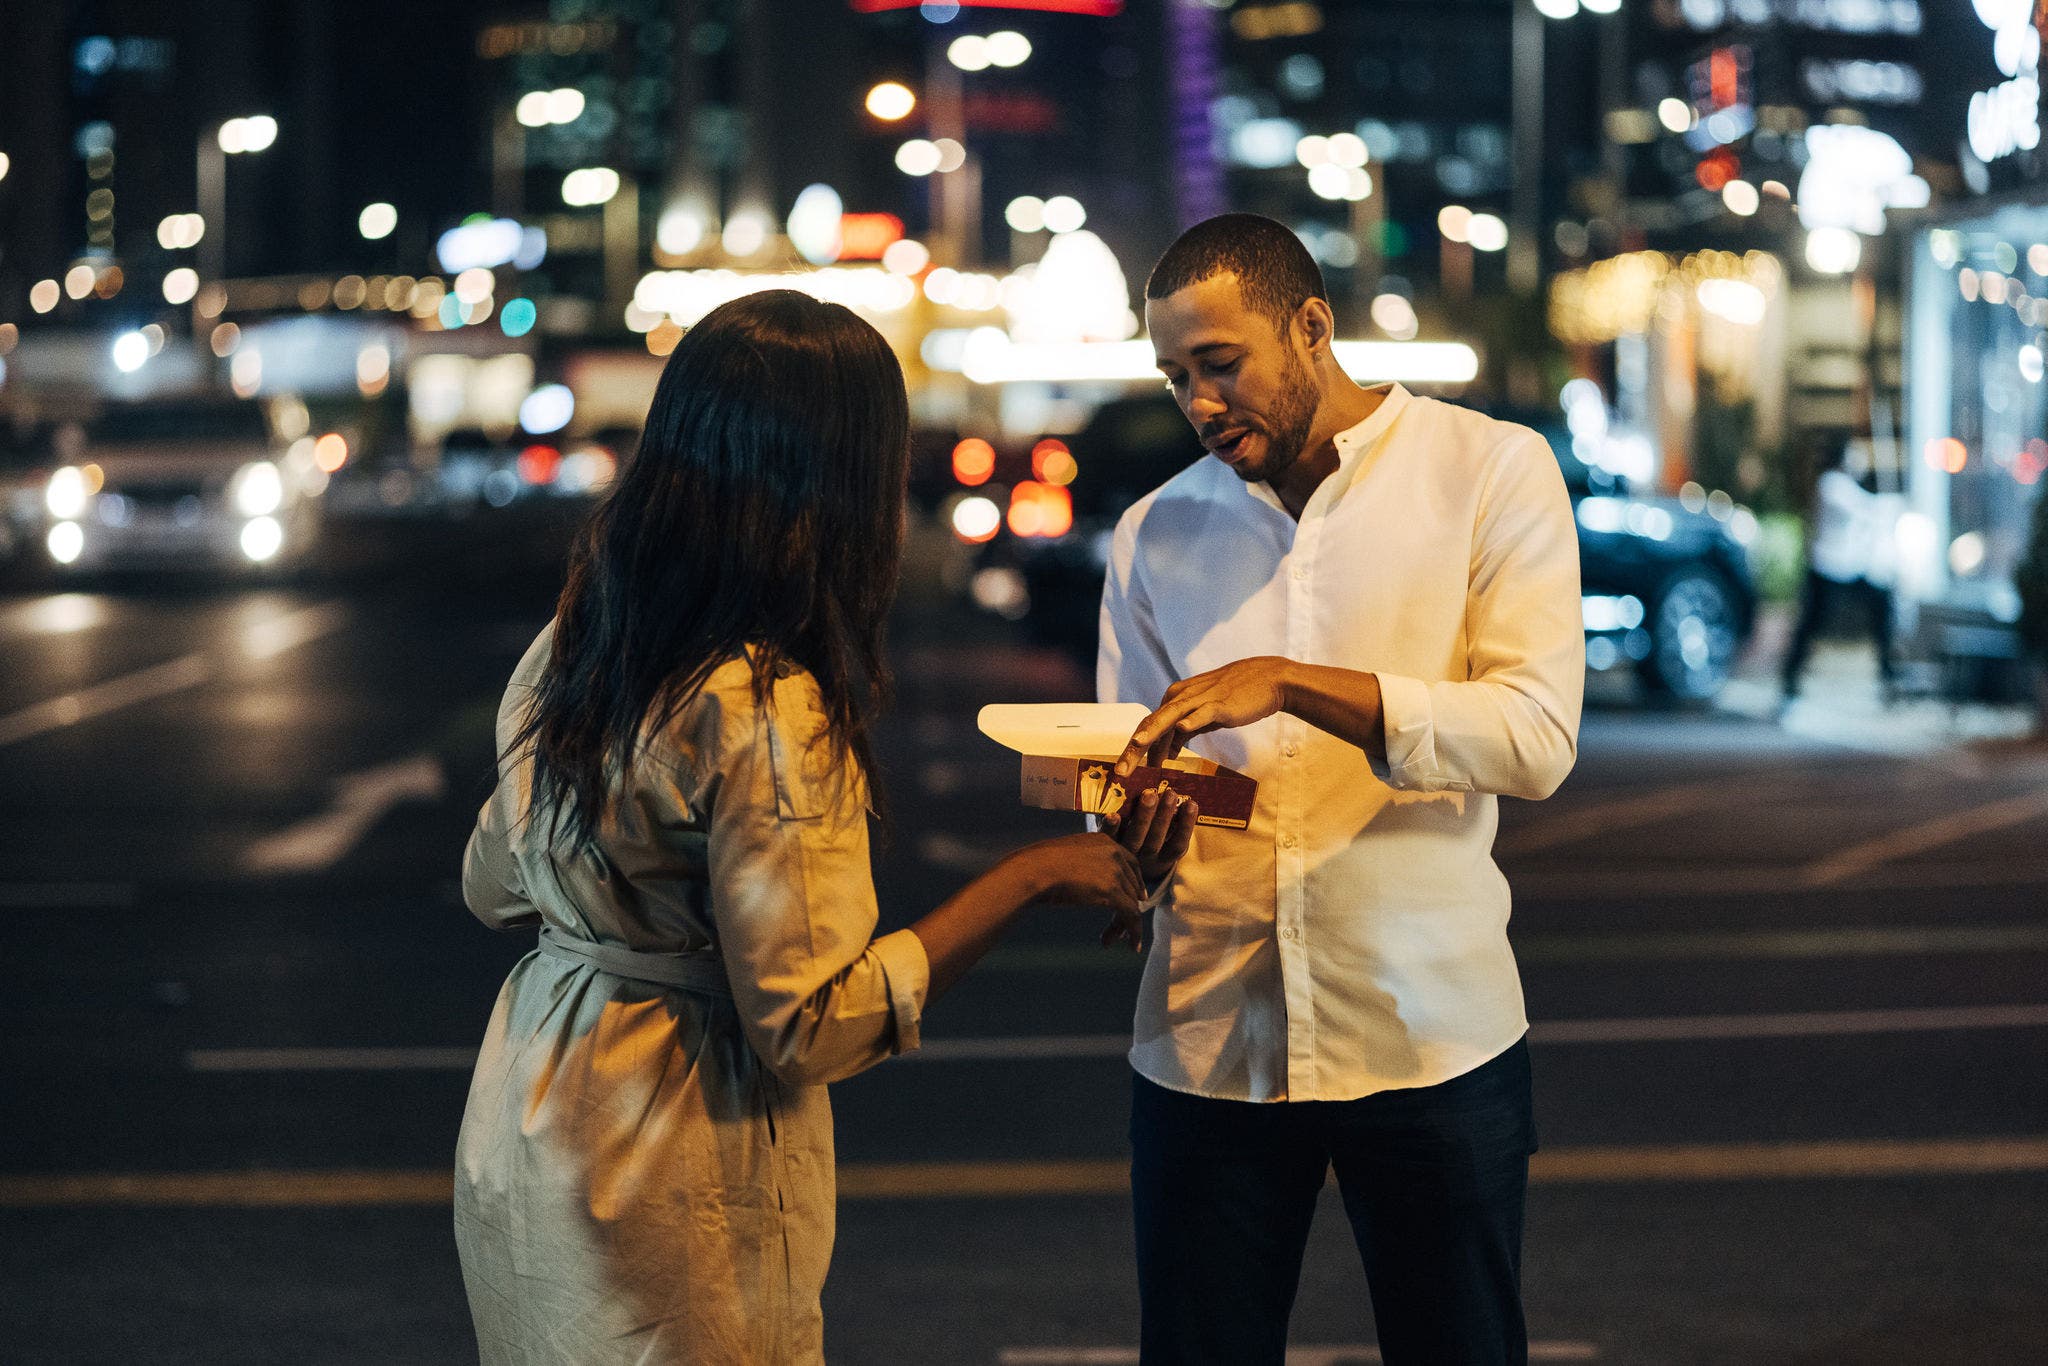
pixel 644 1172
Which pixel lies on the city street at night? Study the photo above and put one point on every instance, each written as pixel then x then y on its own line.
pixel 1787 1004
pixel 1557 483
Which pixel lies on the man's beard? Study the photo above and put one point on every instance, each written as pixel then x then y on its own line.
pixel 1287 426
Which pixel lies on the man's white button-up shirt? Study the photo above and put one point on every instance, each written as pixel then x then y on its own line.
pixel 1354 938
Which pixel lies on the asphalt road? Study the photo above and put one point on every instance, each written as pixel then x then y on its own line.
pixel 1788 1001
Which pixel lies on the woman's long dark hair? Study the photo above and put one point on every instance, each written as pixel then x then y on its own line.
pixel 763 511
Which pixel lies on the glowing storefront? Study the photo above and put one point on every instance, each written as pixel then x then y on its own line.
pixel 1977 424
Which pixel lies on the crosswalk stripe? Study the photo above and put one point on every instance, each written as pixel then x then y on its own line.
pixel 1882 1157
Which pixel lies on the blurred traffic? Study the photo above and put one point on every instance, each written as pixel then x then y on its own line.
pixel 1695 245
pixel 323 325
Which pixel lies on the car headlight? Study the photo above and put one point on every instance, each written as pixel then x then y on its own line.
pixel 258 489
pixel 67 493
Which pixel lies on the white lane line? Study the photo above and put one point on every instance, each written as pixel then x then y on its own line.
pixel 1689 1027
pixel 1007 1180
pixel 1844 864
pixel 1612 817
pixel 955 855
pixel 1306 1354
pixel 144 685
pixel 1687 882
pixel 1851 941
pixel 458 1059
pixel 361 799
pixel 269 639
pixel 1677 882
pixel 54 614
pixel 1022 1048
pixel 25 896
pixel 260 640
pixel 1551 949
pixel 1038 1047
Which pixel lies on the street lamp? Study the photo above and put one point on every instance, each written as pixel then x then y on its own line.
pixel 376 221
pixel 234 138
pixel 890 101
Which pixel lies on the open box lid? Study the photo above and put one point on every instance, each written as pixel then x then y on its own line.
pixel 1066 730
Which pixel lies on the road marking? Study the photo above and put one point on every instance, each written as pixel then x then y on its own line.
pixel 262 640
pixel 228 1190
pixel 1319 1354
pixel 1844 864
pixel 1847 942
pixel 1041 1047
pixel 55 614
pixel 950 853
pixel 1553 949
pixel 450 1059
pixel 1847 1158
pixel 361 799
pixel 271 638
pixel 1788 1026
pixel 955 855
pixel 159 680
pixel 1779 1161
pixel 1619 814
pixel 1714 880
pixel 21 896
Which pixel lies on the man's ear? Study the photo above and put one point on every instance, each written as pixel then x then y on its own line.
pixel 1315 322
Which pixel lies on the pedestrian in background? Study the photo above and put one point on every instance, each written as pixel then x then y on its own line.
pixel 645 1168
pixel 1848 565
pixel 1369 601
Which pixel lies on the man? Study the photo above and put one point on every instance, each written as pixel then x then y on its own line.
pixel 1369 602
pixel 1851 527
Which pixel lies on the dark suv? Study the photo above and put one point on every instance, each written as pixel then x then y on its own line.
pixel 1666 587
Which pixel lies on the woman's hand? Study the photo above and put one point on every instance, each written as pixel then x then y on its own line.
pixel 1083 870
pixel 1074 870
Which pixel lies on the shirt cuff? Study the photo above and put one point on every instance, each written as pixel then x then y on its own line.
pixel 1410 726
pixel 907 972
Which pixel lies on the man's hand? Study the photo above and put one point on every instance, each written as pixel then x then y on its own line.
pixel 1157 833
pixel 1222 699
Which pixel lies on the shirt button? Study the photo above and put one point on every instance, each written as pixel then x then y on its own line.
pixel 1301 571
pixel 1288 842
pixel 1291 750
pixel 1290 933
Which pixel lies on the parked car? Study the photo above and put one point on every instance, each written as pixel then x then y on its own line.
pixel 1666 588
pixel 192 480
pixel 24 463
pixel 477 468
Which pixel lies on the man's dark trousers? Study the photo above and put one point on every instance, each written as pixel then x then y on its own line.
pixel 1433 1179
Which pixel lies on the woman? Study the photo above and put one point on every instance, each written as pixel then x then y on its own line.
pixel 645 1169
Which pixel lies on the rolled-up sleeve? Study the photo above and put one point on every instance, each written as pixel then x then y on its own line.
pixel 792 893
pixel 1511 727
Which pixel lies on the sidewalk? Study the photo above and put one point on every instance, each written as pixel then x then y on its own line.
pixel 1841 703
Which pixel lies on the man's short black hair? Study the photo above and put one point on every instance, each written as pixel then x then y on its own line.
pixel 1273 269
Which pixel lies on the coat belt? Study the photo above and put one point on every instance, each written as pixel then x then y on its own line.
pixel 701 971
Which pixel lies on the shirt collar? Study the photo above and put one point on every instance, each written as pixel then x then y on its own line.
pixel 1354 439
pixel 1349 442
